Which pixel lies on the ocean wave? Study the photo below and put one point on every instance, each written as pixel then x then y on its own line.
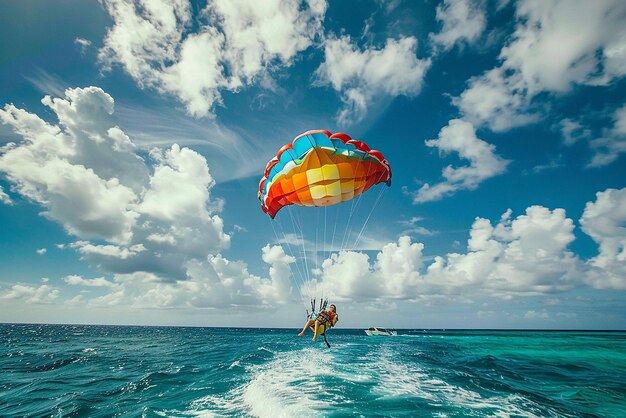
pixel 202 372
pixel 234 364
pixel 291 384
pixel 397 379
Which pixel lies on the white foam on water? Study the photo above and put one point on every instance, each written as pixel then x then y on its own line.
pixel 289 385
pixel 176 413
pixel 401 380
pixel 397 379
pixel 172 369
pixel 234 364
pixel 216 405
pixel 293 384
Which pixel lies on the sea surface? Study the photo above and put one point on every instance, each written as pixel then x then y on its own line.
pixel 102 371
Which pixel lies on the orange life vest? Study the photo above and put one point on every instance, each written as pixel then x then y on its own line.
pixel 327 316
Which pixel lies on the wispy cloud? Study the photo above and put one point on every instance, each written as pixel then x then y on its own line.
pixel 47 83
pixel 5 198
pixel 231 154
pixel 83 44
pixel 553 164
pixel 412 227
pixel 573 131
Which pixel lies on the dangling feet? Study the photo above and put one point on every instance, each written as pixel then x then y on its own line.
pixel 301 334
pixel 314 338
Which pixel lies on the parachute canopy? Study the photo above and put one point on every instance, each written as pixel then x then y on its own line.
pixel 320 169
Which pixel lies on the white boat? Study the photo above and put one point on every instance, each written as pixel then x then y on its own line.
pixel 380 331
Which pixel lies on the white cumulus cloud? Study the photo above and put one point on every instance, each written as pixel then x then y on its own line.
pixel 463 21
pixel 496 100
pixel 361 75
pixel 536 315
pixel 211 283
pixel 162 243
pixel 525 256
pixel 107 250
pixel 88 176
pixel 348 275
pixel 75 169
pixel 235 44
pixel 613 143
pixel 556 45
pixel 460 137
pixel 32 294
pixel 604 220
pixel 75 280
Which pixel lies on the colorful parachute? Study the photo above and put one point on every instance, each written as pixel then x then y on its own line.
pixel 320 169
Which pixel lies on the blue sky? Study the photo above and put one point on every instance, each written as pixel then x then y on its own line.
pixel 134 133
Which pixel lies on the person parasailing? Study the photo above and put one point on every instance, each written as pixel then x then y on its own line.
pixel 324 320
pixel 320 169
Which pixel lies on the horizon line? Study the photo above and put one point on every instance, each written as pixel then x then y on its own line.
pixel 347 329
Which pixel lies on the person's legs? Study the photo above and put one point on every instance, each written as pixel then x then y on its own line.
pixel 308 324
pixel 317 324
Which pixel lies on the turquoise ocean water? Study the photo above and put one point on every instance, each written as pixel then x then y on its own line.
pixel 101 371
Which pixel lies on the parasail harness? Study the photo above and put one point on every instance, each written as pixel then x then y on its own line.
pixel 322 316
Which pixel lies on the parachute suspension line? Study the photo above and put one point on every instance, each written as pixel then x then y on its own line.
pixel 301 238
pixel 347 227
pixel 354 208
pixel 332 242
pixel 378 198
pixel 298 278
pixel 317 229
pixel 286 241
pixel 328 250
pixel 316 224
pixel 369 168
pixel 367 175
pixel 292 253
pixel 323 248
pixel 299 232
pixel 297 229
